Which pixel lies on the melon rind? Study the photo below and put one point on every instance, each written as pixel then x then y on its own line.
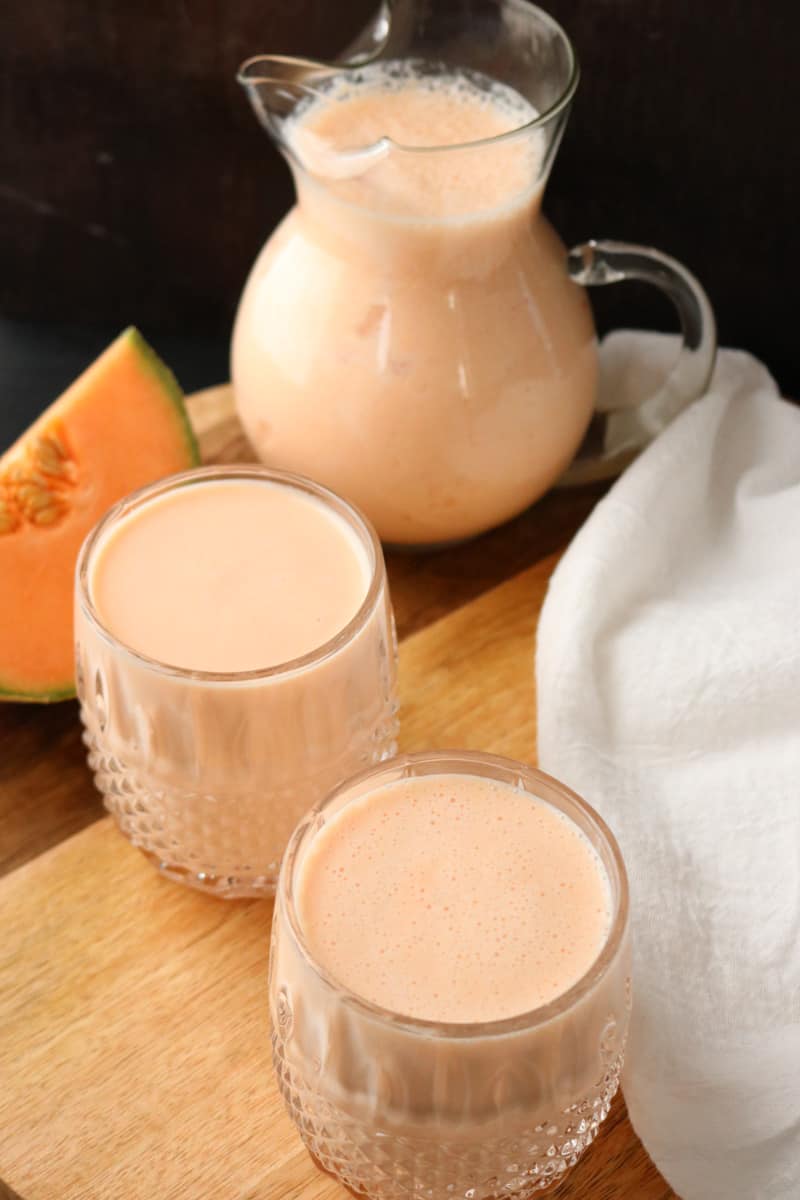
pixel 189 456
pixel 170 386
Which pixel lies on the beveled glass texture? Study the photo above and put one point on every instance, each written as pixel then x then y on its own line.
pixel 207 772
pixel 399 1108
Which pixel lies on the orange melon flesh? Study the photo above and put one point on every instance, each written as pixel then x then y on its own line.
pixel 121 425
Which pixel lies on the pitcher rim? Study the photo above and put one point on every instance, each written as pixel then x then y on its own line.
pixel 555 109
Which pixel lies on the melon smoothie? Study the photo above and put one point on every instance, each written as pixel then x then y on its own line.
pixel 235 660
pixel 409 334
pixel 450 979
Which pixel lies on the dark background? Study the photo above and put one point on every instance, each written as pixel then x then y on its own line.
pixel 136 186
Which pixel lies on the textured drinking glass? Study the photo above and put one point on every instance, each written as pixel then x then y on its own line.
pixel 399 1108
pixel 208 772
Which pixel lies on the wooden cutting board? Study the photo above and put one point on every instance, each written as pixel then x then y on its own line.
pixel 134 1037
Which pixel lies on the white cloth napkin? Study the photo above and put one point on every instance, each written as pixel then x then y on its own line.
pixel 668 672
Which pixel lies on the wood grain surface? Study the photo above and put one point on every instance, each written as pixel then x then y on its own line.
pixel 133 1012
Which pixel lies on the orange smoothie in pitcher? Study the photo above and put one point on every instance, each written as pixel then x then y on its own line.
pixel 409 334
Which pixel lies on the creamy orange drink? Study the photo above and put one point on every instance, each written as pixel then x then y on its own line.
pixel 234 575
pixel 235 661
pixel 450 979
pixel 409 335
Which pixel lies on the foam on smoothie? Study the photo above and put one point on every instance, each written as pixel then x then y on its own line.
pixel 360 128
pixel 453 898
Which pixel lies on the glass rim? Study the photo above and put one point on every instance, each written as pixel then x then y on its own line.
pixel 558 106
pixel 197 476
pixel 465 762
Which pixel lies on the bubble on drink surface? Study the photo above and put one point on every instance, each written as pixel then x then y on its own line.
pixel 496 937
pixel 467 86
pixel 382 137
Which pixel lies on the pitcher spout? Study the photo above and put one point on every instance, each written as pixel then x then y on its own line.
pixel 275 84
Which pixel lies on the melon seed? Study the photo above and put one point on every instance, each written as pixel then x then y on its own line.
pixel 31 488
pixel 48 463
pixel 35 499
pixel 46 516
pixel 40 500
pixel 34 483
pixel 8 519
pixel 50 454
pixel 57 443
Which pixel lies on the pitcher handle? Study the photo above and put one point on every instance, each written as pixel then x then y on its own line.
pixel 617 434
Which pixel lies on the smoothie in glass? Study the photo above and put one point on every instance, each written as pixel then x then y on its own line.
pixel 450 979
pixel 235 660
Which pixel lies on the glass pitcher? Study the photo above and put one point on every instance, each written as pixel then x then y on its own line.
pixel 413 335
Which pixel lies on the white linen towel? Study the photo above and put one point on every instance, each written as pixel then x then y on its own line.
pixel 668 676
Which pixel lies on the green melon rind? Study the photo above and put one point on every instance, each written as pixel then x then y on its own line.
pixel 52 696
pixel 173 393
pixel 169 385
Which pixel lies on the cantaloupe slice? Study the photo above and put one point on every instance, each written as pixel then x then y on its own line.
pixel 120 425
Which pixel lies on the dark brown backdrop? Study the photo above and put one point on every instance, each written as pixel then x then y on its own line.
pixel 135 184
